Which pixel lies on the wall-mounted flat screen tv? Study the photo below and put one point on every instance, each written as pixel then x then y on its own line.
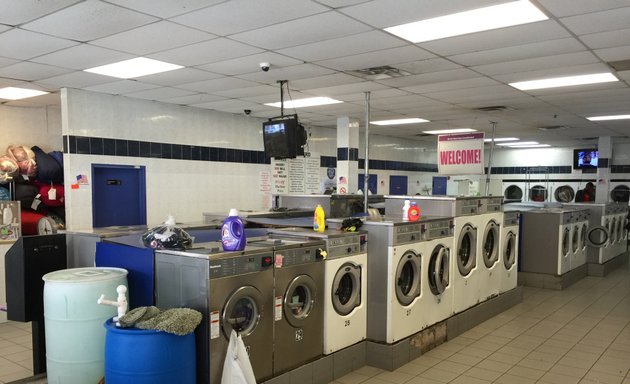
pixel 585 158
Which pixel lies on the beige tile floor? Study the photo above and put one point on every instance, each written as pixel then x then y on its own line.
pixel 579 335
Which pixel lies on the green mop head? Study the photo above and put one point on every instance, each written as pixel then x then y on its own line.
pixel 138 314
pixel 178 321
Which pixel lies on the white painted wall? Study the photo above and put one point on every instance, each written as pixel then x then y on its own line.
pixel 30 126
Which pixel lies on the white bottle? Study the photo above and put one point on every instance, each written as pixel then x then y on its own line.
pixel 406 210
pixel 7 215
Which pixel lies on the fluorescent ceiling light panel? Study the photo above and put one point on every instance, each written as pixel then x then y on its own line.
pixel 309 102
pixel 128 69
pixel 565 81
pixel 611 117
pixel 477 20
pixel 519 143
pixel 447 131
pixel 13 93
pixel 530 146
pixel 499 139
pixel 413 120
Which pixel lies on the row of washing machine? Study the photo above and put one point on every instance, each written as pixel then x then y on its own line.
pixel 292 296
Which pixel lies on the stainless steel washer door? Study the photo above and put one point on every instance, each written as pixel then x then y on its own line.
pixel 509 250
pixel 299 299
pixel 242 311
pixel 346 289
pixel 407 278
pixel 467 250
pixel 438 272
pixel 491 244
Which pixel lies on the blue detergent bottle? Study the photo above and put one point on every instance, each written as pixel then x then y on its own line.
pixel 233 232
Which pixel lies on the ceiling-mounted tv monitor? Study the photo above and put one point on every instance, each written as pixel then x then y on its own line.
pixel 284 137
pixel 586 158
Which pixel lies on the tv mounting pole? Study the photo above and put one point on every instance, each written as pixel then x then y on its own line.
pixel 282 83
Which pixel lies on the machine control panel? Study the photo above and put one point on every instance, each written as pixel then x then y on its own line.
pixel 407 233
pixel 439 228
pixel 297 256
pixel 466 207
pixel 345 246
pixel 510 219
pixel 494 204
pixel 239 265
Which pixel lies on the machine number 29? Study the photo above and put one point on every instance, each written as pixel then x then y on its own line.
pixel 346 323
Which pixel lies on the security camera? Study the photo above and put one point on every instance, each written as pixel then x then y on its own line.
pixel 247 111
pixel 265 66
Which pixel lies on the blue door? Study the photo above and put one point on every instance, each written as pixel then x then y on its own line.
pixel 372 182
pixel 398 185
pixel 118 195
pixel 439 185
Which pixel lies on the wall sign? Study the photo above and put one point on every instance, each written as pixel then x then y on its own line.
pixel 461 154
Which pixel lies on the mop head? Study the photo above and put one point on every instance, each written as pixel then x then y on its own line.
pixel 177 321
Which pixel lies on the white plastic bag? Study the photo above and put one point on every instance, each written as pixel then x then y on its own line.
pixel 237 369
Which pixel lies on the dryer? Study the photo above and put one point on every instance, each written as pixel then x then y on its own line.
pixel 345 285
pixel 232 291
pixel 488 245
pixel 437 280
pixel 546 241
pixel 509 246
pixel 298 298
pixel 464 210
pixel 395 295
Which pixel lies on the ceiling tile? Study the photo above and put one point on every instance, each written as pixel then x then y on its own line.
pixel 230 106
pixel 249 64
pixel 344 46
pixel 243 15
pixel 430 78
pixel 79 79
pixel 153 38
pixel 82 56
pixel 426 66
pixel 19 12
pixel 4 82
pixel 378 58
pixel 341 3
pixel 205 52
pixel 457 85
pixel 497 38
pixel 324 81
pixel 519 52
pixel 538 63
pixel 21 44
pixel 562 8
pixel 345 89
pixel 179 76
pixel 193 99
pixel 28 71
pixel 306 30
pixel 121 87
pixel 160 93
pixel 552 72
pixel 4 61
pixel 37 101
pixel 287 73
pixel 218 84
pixel 608 39
pixel 387 13
pixel 598 21
pixel 89 20
pixel 261 90
pixel 614 54
pixel 165 8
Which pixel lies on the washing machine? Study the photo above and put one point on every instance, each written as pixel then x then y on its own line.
pixel 345 286
pixel 564 193
pixel 394 289
pixel 232 291
pixel 579 242
pixel 439 242
pixel 618 228
pixel 546 236
pixel 490 220
pixel 298 298
pixel 465 275
pixel 508 259
pixel 602 243
pixel 514 192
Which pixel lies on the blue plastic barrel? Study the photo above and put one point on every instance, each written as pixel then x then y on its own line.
pixel 148 357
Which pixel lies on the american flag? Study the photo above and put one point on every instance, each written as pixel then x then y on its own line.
pixel 82 179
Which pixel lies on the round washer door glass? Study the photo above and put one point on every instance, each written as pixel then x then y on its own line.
pixel 491 244
pixel 575 238
pixel 346 289
pixel 597 237
pixel 299 299
pixel 583 235
pixel 242 311
pixel 612 230
pixel 407 277
pixel 566 241
pixel 467 250
pixel 509 250
pixel 439 269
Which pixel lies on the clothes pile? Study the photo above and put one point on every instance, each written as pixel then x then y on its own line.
pixel 37 178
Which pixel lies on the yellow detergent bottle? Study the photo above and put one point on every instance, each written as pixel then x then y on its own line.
pixel 319 219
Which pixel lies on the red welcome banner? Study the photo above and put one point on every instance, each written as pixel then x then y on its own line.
pixel 460 154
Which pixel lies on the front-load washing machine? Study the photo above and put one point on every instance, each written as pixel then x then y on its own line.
pixel 546 241
pixel 298 297
pixel 436 264
pixel 395 295
pixel 464 210
pixel 579 244
pixel 232 291
pixel 488 250
pixel 508 259
pixel 345 286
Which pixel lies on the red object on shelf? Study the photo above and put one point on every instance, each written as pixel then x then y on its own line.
pixel 414 212
pixel 29 222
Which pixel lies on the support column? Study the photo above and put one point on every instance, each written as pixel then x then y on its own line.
pixel 347 155
pixel 604 154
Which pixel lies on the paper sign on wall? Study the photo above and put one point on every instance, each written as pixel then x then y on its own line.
pixel 461 154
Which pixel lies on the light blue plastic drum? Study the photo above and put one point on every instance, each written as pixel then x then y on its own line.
pixel 75 337
pixel 148 357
